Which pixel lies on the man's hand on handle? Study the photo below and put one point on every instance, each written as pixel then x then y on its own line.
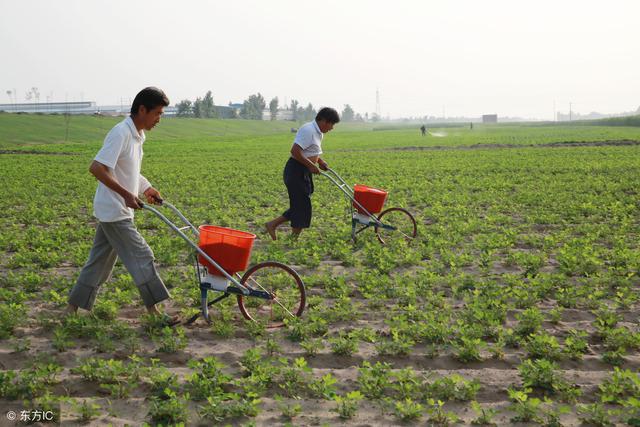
pixel 132 201
pixel 323 165
pixel 153 196
pixel 313 169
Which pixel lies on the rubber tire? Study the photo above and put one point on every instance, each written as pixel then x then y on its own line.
pixel 301 289
pixel 406 212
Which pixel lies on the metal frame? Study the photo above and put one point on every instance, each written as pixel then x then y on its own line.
pixel 348 191
pixel 234 288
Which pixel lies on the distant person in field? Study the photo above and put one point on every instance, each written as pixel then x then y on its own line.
pixel 423 129
pixel 120 184
pixel 305 153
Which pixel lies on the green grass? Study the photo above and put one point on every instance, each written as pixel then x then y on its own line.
pixel 33 129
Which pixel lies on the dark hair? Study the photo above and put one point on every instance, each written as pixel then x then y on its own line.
pixel 150 97
pixel 328 115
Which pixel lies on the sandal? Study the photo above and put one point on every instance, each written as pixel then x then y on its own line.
pixel 166 320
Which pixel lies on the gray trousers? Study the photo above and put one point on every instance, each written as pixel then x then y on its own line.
pixel 122 240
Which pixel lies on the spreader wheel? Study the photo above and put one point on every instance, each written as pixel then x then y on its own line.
pixel 402 222
pixel 283 284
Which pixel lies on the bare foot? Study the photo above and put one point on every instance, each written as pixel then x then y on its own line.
pixel 271 230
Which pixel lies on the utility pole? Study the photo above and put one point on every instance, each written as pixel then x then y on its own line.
pixel 570 112
pixel 378 113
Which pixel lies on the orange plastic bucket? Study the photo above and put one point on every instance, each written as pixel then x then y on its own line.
pixel 372 199
pixel 230 248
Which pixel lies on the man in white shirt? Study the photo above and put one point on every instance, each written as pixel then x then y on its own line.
pixel 117 169
pixel 305 153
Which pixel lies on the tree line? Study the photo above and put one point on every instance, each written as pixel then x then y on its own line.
pixel 252 109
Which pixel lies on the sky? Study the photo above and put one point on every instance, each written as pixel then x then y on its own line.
pixel 515 58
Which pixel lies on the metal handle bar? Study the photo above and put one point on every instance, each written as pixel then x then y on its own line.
pixel 337 179
pixel 196 232
pixel 346 189
pixel 175 228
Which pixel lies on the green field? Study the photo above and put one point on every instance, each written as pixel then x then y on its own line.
pixel 520 292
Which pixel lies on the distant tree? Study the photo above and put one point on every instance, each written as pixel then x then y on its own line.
pixel 185 108
pixel 197 108
pixel 309 113
pixel 273 108
pixel 348 115
pixel 294 108
pixel 638 110
pixel 252 107
pixel 375 117
pixel 359 118
pixel 207 108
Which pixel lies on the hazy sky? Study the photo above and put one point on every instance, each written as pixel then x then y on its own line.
pixel 513 58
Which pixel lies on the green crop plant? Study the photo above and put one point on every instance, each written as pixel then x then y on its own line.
pixel 10 316
pixel 345 344
pixel 162 380
pixel 170 411
pixel 222 325
pixel 373 379
pixel 437 414
pixel 468 349
pixel 170 340
pixel 299 329
pixel 484 415
pixel 29 383
pixel 312 346
pixel 408 410
pixel 529 321
pixel 399 345
pixel 407 384
pixel 104 343
pixel 289 410
pixel 20 345
pixel 271 346
pixel 620 385
pixel 544 375
pixel 61 340
pixel 576 345
pixel 208 378
pixel 323 387
pixel 256 330
pixel 526 408
pixel 294 377
pixel 454 387
pixel 543 346
pixel 347 405
pixel 595 414
pixel 555 315
pixel 86 410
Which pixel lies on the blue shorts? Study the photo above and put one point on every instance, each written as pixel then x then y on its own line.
pixel 299 182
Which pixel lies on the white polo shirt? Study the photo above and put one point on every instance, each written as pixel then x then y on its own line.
pixel 122 154
pixel 309 138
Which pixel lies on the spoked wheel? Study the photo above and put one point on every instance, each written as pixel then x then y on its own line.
pixel 403 223
pixel 283 283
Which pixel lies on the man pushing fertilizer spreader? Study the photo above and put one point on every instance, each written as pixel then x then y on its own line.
pixel 117 169
pixel 305 153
